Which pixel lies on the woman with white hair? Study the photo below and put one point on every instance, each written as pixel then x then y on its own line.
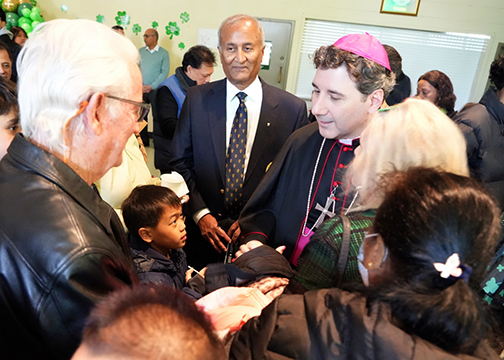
pixel 414 133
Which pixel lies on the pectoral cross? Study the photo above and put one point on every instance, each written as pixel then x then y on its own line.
pixel 325 211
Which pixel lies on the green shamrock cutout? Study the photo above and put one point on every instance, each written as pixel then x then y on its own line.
pixel 155 24
pixel 172 29
pixel 137 29
pixel 33 2
pixel 181 46
pixel 501 293
pixel 100 18
pixel 500 267
pixel 122 19
pixel 185 17
pixel 491 286
pixel 488 299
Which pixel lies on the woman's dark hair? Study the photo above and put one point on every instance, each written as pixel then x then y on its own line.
pixel 145 206
pixel 15 30
pixel 426 217
pixel 442 83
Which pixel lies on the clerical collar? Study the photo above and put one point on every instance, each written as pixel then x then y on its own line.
pixel 347 141
pixel 253 91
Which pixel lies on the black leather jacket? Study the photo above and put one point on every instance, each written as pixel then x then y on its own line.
pixel 61 250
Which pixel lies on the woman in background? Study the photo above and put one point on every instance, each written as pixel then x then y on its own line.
pixel 436 87
pixel 19 35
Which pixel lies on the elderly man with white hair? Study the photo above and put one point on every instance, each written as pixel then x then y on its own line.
pixel 62 248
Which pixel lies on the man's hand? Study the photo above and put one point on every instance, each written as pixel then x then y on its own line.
pixel 146 88
pixel 213 233
pixel 252 244
pixel 234 232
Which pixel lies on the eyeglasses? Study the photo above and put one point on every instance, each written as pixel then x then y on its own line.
pixel 143 107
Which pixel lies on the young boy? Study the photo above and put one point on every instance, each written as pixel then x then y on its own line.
pixel 153 216
pixel 9 115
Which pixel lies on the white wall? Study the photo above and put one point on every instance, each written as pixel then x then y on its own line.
pixel 468 16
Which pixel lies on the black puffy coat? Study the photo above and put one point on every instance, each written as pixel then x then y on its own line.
pixel 483 128
pixel 333 324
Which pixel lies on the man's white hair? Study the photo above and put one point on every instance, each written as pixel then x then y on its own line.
pixel 64 63
pixel 237 18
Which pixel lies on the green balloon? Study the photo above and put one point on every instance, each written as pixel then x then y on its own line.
pixel 11 19
pixel 36 10
pixel 35 16
pixel 26 27
pixel 34 24
pixel 24 6
pixel 23 20
pixel 26 13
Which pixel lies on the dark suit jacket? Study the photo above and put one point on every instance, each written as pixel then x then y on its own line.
pixel 199 142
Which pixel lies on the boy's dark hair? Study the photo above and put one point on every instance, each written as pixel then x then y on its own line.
pixel 196 56
pixel 426 217
pixel 145 206
pixel 117 27
pixel 8 97
pixel 151 322
pixel 3 17
pixel 497 73
pixel 442 83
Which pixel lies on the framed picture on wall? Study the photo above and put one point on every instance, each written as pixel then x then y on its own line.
pixel 400 7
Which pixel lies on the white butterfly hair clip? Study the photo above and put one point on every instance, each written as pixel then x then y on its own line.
pixel 450 268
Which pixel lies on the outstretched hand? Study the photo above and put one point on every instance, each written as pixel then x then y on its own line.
pixel 252 244
pixel 213 233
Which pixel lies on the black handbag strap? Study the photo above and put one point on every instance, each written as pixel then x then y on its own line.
pixel 345 247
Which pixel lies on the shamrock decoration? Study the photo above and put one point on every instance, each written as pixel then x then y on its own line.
pixel 33 2
pixel 155 24
pixel 488 299
pixel 181 46
pixel 500 267
pixel 64 8
pixel 100 18
pixel 172 29
pixel 491 286
pixel 137 29
pixel 122 19
pixel 501 293
pixel 185 17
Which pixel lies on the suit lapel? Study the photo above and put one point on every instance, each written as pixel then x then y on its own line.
pixel 267 118
pixel 217 123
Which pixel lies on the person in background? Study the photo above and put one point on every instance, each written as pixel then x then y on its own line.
pixel 119 29
pixel 413 133
pixel 20 35
pixel 483 128
pixel 5 63
pixel 155 65
pixel 9 115
pixel 431 240
pixel 149 322
pixel 76 120
pixel 197 68
pixel 437 88
pixel 402 88
pixel 6 38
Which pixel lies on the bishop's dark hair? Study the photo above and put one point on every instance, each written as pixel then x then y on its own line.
pixel 426 217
